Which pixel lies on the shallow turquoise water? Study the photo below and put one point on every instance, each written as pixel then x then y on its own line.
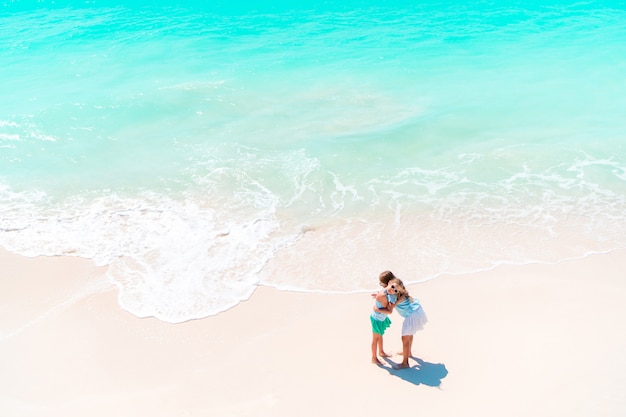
pixel 189 147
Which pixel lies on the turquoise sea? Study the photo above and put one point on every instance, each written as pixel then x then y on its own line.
pixel 199 151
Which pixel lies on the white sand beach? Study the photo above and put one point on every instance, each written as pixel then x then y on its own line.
pixel 541 340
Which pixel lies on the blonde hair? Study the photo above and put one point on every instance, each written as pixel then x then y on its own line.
pixel 402 291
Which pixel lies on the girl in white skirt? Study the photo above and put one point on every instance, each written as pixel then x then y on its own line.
pixel 414 320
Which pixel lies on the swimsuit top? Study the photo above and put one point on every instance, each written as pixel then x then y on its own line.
pixel 377 315
pixel 405 307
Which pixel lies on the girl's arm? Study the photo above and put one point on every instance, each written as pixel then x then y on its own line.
pixel 386 310
pixel 387 306
pixel 382 310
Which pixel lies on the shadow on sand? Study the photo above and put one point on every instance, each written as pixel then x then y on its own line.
pixel 425 373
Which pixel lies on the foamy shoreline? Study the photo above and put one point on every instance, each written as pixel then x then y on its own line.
pixel 523 340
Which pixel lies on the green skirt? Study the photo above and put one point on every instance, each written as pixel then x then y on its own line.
pixel 380 326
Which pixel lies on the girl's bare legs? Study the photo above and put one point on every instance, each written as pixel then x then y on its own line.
pixel 376 339
pixel 407 342
pixel 381 350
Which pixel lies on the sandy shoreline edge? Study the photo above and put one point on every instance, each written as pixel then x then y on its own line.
pixel 515 340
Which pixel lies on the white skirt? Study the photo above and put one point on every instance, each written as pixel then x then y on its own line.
pixel 414 323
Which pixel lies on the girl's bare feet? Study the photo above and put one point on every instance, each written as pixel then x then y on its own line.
pixel 375 361
pixel 402 366
pixel 385 355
